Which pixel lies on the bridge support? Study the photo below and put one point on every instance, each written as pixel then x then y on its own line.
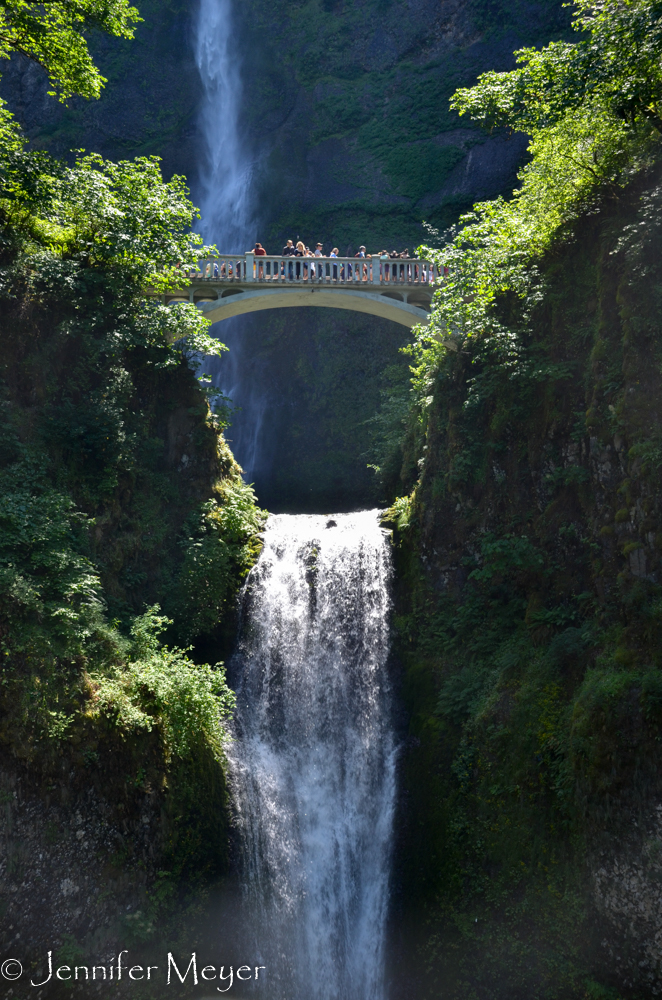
pixel 239 302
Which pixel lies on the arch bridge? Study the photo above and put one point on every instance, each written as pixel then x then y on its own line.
pixel 398 289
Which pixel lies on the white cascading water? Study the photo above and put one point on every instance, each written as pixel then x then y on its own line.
pixel 225 172
pixel 224 192
pixel 313 764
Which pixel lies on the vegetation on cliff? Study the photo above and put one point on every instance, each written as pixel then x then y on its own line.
pixel 117 491
pixel 529 549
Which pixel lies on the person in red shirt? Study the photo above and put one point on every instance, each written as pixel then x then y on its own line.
pixel 259 251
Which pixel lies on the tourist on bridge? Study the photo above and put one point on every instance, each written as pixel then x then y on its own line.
pixel 319 252
pixel 299 252
pixel 259 251
pixel 405 270
pixel 334 253
pixel 361 253
pixel 289 250
pixel 311 269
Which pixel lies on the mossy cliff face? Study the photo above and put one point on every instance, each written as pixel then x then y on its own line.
pixel 117 492
pixel 529 618
pixel 345 106
pixel 349 102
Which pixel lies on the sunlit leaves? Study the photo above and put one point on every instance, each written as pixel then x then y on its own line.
pixel 53 35
pixel 618 62
pixel 125 215
pixel 162 688
pixel 592 111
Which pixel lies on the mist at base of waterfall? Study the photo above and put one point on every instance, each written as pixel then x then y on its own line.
pixel 234 374
pixel 313 761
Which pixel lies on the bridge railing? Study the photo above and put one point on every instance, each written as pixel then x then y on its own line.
pixel 278 270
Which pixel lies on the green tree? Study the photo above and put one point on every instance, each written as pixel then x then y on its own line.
pixel 593 110
pixel 53 35
pixel 617 63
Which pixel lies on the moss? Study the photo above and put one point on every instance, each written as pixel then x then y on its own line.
pixel 109 459
pixel 529 630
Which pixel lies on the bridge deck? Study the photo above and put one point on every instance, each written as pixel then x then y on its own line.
pixel 398 289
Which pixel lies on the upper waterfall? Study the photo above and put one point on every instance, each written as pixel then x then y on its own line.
pixel 313 765
pixel 225 170
pixel 224 195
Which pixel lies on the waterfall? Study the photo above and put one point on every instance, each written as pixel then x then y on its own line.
pixel 225 172
pixel 224 192
pixel 313 763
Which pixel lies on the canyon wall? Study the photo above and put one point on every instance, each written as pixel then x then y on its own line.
pixel 529 624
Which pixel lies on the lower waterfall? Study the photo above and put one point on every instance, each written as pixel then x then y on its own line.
pixel 313 762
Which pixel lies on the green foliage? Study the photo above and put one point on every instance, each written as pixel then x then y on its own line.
pixel 590 109
pixel 399 513
pixel 163 688
pixel 615 65
pixel 121 217
pixel 50 594
pixel 507 554
pixel 220 547
pixel 531 631
pixel 53 35
pixel 109 450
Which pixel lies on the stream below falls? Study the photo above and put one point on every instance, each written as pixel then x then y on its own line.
pixel 313 761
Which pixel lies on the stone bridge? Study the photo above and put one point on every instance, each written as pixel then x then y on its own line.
pixel 400 289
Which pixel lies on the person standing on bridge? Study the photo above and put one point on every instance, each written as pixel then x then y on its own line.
pixel 259 251
pixel 319 252
pixel 361 268
pixel 310 270
pixel 299 252
pixel 334 253
pixel 288 250
pixel 404 268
